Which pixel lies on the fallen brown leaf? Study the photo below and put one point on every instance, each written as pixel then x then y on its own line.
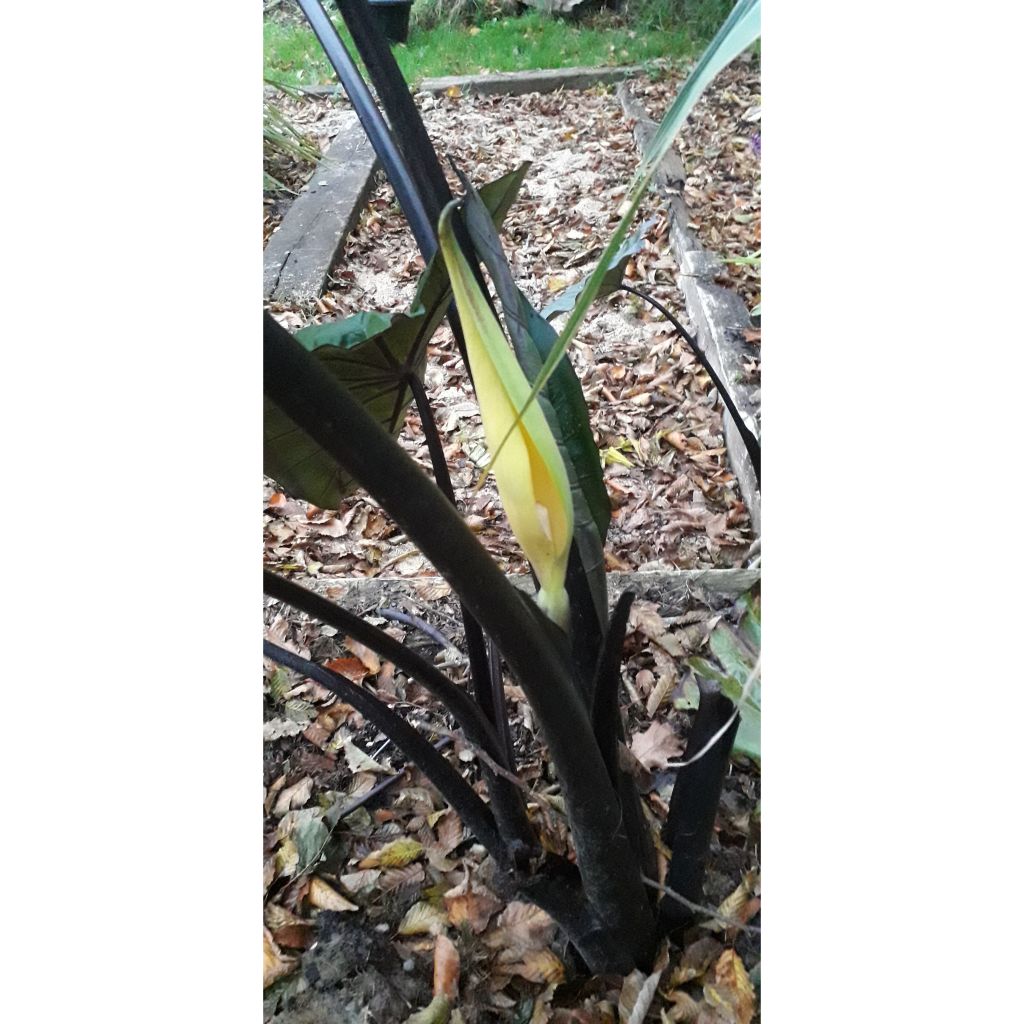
pixel 446 968
pixel 656 746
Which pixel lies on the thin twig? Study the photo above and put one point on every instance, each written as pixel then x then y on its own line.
pixel 414 620
pixel 698 909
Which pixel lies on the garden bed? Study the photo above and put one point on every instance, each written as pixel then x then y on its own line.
pixel 676 503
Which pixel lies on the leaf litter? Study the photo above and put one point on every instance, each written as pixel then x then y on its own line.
pixel 403 862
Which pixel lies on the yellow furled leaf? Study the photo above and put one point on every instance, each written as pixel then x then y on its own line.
pixel 530 474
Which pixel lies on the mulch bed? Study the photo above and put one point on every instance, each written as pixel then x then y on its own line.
pixel 676 504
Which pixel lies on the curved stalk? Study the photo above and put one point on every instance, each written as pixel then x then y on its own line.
pixel 453 787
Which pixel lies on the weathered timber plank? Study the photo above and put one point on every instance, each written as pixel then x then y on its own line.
pixel 300 253
pixel 718 314
pixel 518 83
pixel 670 589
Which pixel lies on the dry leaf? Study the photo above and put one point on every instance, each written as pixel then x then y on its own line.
pixel 357 880
pixel 732 989
pixel 449 832
pixel 521 926
pixel 293 797
pixel 539 965
pixel 446 968
pixel 275 963
pixel 636 997
pixel 395 855
pixel 697 958
pixel 295 936
pixel 398 878
pixel 471 905
pixel 423 919
pixel 323 897
pixel 369 658
pixel 655 746
pixel 351 668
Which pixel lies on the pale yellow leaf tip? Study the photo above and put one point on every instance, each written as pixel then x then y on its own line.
pixel 531 477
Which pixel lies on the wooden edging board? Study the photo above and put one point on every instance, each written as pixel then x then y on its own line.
pixel 718 314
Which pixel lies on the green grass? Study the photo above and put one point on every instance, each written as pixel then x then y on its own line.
pixel 292 54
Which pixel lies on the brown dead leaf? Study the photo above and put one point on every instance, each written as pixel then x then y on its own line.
pixel 295 936
pixel 275 963
pixel 446 968
pixel 351 668
pixel 521 926
pixel 540 965
pixel 472 905
pixel 655 746
pixel 293 797
pixel 697 958
pixel 449 832
pixel 369 658
pixel 323 897
pixel 357 880
pixel 636 996
pixel 400 878
pixel 732 989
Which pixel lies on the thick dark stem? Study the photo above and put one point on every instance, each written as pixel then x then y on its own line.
pixel 604 696
pixel 398 103
pixel 691 817
pixel 304 391
pixel 453 787
pixel 376 128
pixel 484 673
pixel 750 442
pixel 464 710
pixel 608 730
pixel 506 799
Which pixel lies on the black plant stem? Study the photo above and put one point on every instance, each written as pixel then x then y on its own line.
pixel 480 672
pixel 466 713
pixel 302 388
pixel 750 441
pixel 394 94
pixel 452 786
pixel 695 797
pixel 484 661
pixel 374 125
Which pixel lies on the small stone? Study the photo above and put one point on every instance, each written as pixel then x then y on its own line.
pixel 380 928
pixel 409 965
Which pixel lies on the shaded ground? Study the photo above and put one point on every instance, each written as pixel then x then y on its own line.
pixel 401 869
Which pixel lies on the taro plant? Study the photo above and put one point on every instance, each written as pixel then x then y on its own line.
pixel 336 396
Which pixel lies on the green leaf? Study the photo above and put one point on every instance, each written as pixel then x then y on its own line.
pixel 728 650
pixel 310 835
pixel 562 401
pixel 738 31
pixel 611 281
pixel 370 354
